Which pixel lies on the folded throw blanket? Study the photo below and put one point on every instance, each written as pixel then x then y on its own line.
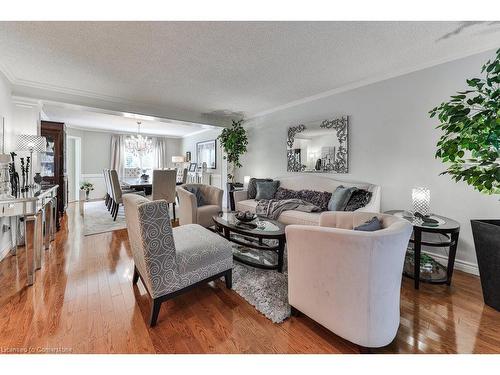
pixel 272 208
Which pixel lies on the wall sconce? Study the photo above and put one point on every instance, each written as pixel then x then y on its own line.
pixel 421 198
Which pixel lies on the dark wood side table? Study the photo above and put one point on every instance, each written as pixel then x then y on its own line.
pixel 231 188
pixel 446 227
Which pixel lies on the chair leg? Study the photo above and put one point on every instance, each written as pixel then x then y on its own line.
pixel 135 278
pixel 173 207
pixel 155 310
pixel 116 211
pixel 228 277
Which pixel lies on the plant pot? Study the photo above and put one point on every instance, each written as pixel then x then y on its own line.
pixel 487 242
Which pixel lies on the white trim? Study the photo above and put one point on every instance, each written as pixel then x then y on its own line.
pixel 461 265
pixel 78 164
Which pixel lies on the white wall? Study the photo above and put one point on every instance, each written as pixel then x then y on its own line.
pixel 392 143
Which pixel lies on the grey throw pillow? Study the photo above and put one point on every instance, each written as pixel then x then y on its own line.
pixel 340 198
pixel 359 199
pixel 252 186
pixel 197 193
pixel 371 225
pixel 266 189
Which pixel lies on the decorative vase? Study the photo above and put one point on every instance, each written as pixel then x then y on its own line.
pixel 37 178
pixel 486 235
pixel 87 193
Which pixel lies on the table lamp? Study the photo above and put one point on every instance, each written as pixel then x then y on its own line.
pixel 421 198
pixel 31 143
pixel 176 160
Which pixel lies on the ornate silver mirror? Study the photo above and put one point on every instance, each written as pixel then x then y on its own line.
pixel 319 147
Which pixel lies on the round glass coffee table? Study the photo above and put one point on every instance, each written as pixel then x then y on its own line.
pixel 261 243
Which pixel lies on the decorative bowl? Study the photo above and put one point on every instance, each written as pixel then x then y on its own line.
pixel 245 217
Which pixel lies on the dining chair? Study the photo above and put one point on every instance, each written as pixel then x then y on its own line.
pixel 164 183
pixel 117 193
pixel 107 198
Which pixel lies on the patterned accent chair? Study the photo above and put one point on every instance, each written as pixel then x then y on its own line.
pixel 172 261
pixel 189 210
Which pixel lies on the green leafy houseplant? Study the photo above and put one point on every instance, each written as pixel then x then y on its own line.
pixel 234 141
pixel 470 143
pixel 471 131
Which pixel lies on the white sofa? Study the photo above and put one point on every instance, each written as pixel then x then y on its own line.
pixel 349 281
pixel 311 182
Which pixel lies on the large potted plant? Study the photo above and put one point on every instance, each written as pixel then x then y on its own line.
pixel 470 143
pixel 234 141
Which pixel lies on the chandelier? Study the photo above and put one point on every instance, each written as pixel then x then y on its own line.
pixel 138 144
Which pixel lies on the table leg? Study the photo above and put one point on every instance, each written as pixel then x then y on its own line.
pixel 48 217
pixel 29 245
pixel 281 250
pixel 38 239
pixel 417 246
pixel 13 234
pixel 53 219
pixel 451 257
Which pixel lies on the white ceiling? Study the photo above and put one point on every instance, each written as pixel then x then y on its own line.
pixel 91 119
pixel 224 68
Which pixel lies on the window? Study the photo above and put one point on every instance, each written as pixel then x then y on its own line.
pixel 134 161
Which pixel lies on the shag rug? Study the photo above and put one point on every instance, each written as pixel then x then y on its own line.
pixel 97 219
pixel 266 290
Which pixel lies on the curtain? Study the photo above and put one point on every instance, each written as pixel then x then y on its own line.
pixel 160 152
pixel 118 153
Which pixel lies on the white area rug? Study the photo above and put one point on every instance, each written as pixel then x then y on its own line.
pixel 97 219
pixel 266 290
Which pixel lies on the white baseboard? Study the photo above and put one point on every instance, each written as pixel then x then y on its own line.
pixel 459 264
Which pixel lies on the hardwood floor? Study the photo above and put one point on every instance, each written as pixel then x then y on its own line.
pixel 83 301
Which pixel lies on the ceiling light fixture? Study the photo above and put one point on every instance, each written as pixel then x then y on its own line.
pixel 138 144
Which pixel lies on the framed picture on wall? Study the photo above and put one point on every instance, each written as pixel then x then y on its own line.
pixel 188 156
pixel 206 152
pixel 192 167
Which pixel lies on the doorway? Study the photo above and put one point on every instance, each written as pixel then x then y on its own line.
pixel 74 160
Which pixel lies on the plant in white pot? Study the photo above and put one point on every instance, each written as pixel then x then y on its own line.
pixel 87 187
pixel 470 143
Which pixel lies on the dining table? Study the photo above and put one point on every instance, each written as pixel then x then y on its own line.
pixel 140 184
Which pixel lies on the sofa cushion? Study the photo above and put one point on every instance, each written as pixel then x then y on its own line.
pixel 340 198
pixel 359 198
pixel 299 217
pixel 252 186
pixel 266 189
pixel 318 198
pixel 246 205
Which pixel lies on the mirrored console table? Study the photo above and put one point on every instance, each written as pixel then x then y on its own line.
pixel 36 211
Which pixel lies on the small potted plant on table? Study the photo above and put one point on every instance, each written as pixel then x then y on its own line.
pixel 87 187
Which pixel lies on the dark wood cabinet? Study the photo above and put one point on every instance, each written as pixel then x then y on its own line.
pixel 53 162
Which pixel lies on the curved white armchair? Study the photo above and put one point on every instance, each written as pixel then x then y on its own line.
pixel 349 281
